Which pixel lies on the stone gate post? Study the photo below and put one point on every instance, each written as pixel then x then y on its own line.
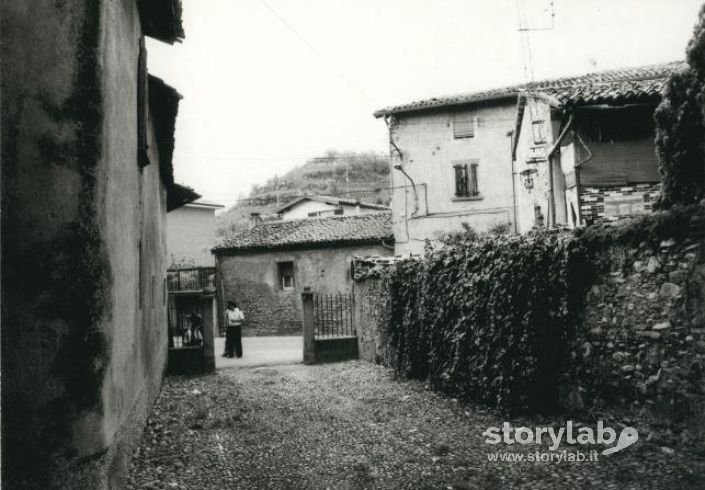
pixel 308 327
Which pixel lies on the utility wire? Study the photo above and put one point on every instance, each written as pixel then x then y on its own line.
pixel 317 52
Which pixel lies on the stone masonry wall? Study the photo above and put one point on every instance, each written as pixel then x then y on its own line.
pixel 642 340
pixel 640 343
pixel 592 198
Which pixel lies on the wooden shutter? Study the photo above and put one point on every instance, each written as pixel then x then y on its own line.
pixel 142 110
pixel 461 180
pixel 474 189
pixel 463 125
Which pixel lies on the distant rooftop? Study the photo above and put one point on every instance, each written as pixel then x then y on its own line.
pixel 591 88
pixel 332 200
pixel 311 232
pixel 204 203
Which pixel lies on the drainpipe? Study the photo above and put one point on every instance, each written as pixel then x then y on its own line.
pixel 510 135
pixel 413 186
pixel 553 149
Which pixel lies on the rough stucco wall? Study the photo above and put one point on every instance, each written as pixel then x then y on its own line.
pixel 55 267
pixel 251 280
pixel 79 362
pixel 133 217
pixel 527 199
pixel 371 318
pixel 429 148
pixel 190 236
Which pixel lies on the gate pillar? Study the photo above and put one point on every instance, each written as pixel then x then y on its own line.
pixel 308 327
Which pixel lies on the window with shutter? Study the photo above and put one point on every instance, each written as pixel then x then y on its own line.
pixel 142 110
pixel 474 188
pixel 461 180
pixel 463 125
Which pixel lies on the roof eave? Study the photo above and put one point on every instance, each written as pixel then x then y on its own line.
pixel 409 110
pixel 300 246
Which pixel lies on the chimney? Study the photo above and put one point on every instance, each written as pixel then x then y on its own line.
pixel 255 219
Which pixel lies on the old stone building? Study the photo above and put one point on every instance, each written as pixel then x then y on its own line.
pixel 584 147
pixel 265 269
pixel 481 158
pixel 87 180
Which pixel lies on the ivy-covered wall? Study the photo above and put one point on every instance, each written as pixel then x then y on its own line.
pixel 609 316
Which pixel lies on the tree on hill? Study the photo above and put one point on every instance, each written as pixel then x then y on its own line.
pixel 353 175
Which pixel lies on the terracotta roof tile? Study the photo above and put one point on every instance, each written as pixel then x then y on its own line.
pixel 360 228
pixel 605 86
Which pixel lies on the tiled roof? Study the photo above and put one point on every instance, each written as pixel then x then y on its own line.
pixel 605 86
pixel 335 201
pixel 299 233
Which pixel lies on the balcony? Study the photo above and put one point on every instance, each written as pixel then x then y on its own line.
pixel 195 280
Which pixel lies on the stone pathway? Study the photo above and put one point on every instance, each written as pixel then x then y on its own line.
pixel 261 351
pixel 352 426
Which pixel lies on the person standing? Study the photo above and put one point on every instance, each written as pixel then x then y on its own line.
pixel 233 333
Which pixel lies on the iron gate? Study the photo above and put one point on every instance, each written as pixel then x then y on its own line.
pixel 333 315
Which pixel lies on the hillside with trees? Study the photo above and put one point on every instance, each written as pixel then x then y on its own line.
pixel 351 175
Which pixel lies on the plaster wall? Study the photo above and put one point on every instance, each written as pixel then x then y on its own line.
pixel 252 281
pixel 190 236
pixel 429 152
pixel 535 197
pixel 81 356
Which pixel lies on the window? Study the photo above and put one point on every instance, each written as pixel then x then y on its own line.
pixel 285 273
pixel 142 155
pixel 463 125
pixel 466 183
pixel 539 130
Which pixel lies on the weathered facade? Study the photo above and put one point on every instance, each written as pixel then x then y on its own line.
pixel 584 148
pixel 86 184
pixel 483 158
pixel 452 165
pixel 266 268
pixel 191 234
pixel 320 206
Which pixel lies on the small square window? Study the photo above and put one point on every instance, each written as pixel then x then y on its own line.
pixel 539 130
pixel 463 125
pixel 285 273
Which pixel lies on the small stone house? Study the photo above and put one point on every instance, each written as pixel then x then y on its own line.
pixel 482 158
pixel 319 206
pixel 265 269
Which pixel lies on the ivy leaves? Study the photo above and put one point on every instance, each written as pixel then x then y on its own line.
pixel 487 319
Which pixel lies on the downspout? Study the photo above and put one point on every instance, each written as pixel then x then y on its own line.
pixel 388 122
pixel 413 186
pixel 551 152
pixel 514 190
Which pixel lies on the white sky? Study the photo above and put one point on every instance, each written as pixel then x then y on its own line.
pixel 260 99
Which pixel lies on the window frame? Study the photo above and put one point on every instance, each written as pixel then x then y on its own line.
pixel 142 106
pixel 466 178
pixel 463 129
pixel 282 276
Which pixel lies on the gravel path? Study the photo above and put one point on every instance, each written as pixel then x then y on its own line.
pixel 352 426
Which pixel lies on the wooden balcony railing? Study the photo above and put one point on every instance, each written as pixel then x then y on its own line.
pixel 193 279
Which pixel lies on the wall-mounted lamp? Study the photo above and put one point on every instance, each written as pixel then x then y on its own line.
pixel 527 178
